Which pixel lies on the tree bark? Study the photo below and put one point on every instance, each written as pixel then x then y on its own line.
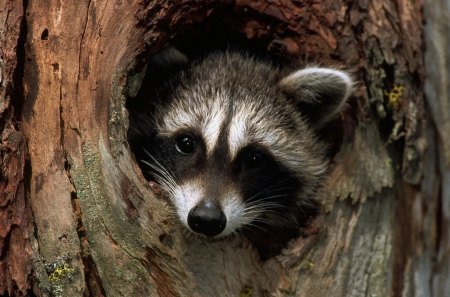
pixel 16 219
pixel 77 218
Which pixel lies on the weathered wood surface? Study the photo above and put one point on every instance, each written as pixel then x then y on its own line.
pixel 90 224
pixel 436 183
pixel 15 215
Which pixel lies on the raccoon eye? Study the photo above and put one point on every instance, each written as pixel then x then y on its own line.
pixel 254 159
pixel 185 144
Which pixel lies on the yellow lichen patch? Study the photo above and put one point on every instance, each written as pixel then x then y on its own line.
pixel 246 292
pixel 308 265
pixel 60 272
pixel 394 96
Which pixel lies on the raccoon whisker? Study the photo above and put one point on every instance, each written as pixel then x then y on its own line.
pixel 167 186
pixel 275 184
pixel 250 226
pixel 266 200
pixel 272 192
pixel 172 215
pixel 164 180
pixel 256 214
pixel 161 172
pixel 165 175
pixel 264 206
pixel 271 187
pixel 171 178
pixel 260 226
pixel 165 168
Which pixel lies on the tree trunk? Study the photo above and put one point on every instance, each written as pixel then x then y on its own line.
pixel 77 218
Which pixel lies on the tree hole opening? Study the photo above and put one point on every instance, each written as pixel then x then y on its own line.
pixel 260 37
pixel 225 29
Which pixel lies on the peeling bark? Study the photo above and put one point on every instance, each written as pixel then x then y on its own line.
pixel 15 215
pixel 77 218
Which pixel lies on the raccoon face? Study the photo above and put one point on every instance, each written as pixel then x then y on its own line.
pixel 227 139
pixel 216 193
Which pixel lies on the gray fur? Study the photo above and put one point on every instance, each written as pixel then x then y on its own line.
pixel 234 101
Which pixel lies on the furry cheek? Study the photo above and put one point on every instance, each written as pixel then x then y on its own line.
pixel 236 213
pixel 185 198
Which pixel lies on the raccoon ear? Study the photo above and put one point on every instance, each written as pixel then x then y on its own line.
pixel 320 93
pixel 166 63
pixel 169 57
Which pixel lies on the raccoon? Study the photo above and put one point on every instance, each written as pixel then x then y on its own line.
pixel 234 140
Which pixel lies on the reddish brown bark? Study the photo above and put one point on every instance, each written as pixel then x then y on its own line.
pixel 15 215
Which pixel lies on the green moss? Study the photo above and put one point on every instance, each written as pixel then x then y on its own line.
pixel 117 117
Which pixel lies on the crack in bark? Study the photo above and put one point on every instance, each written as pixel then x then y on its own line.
pixel 18 100
pixel 163 281
pixel 92 278
pixel 61 126
pixel 81 46
pixel 17 223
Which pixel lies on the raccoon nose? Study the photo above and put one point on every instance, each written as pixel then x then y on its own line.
pixel 207 218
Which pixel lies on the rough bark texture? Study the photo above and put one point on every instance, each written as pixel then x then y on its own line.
pixel 78 219
pixel 15 215
pixel 437 181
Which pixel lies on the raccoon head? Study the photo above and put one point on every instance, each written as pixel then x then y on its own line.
pixel 233 140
